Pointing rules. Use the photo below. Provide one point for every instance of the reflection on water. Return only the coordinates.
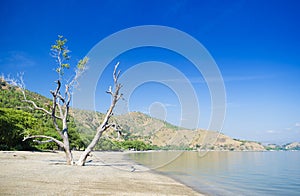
(156, 160)
(227, 173)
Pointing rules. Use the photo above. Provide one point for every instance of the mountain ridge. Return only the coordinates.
(139, 126)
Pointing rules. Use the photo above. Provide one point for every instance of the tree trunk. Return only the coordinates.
(91, 146)
(69, 156)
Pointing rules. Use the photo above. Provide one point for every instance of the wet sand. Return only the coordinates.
(106, 173)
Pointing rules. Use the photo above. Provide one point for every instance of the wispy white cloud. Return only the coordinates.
(17, 59)
(295, 126)
(270, 131)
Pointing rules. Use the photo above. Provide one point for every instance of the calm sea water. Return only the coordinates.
(230, 173)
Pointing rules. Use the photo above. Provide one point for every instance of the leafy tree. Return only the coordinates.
(13, 125)
(107, 145)
(133, 145)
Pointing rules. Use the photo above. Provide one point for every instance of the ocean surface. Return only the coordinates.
(229, 173)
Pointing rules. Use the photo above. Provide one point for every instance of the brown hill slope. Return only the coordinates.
(160, 133)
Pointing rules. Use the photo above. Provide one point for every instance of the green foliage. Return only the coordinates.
(81, 63)
(275, 148)
(14, 124)
(173, 147)
(170, 126)
(61, 53)
(12, 98)
(137, 145)
(37, 123)
(107, 145)
(76, 141)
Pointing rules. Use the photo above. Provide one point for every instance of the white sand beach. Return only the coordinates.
(107, 173)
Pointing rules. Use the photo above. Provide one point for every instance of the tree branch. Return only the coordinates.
(47, 137)
(80, 69)
(20, 84)
(60, 111)
(61, 97)
(68, 95)
(115, 74)
(42, 142)
(54, 94)
(38, 108)
(109, 91)
(105, 122)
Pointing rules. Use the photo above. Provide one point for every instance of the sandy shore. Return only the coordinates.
(107, 173)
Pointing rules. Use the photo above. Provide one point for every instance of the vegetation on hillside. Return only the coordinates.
(139, 131)
(13, 125)
(17, 120)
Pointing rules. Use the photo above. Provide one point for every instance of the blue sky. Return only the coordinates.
(254, 43)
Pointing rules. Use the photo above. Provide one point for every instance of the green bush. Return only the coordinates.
(13, 126)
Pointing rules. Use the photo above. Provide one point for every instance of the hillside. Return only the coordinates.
(139, 126)
(18, 119)
(160, 133)
(288, 146)
(134, 126)
(292, 146)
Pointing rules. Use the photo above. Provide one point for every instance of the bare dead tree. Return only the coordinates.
(60, 101)
(59, 110)
(105, 125)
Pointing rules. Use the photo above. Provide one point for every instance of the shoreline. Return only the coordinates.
(160, 172)
(106, 173)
